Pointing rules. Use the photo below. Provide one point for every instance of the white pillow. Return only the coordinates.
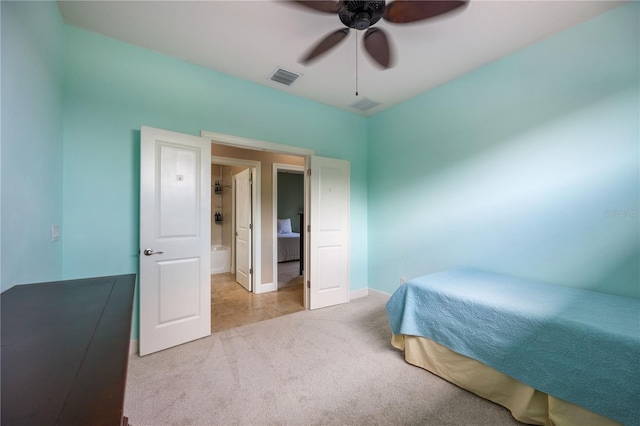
(284, 226)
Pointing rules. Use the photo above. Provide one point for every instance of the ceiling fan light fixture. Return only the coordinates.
(361, 14)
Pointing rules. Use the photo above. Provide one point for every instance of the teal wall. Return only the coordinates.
(528, 166)
(31, 164)
(112, 88)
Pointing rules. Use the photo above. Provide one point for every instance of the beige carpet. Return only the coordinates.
(332, 366)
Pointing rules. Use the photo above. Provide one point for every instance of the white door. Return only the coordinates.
(242, 185)
(175, 212)
(329, 236)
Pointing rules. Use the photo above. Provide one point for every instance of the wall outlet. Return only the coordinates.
(55, 232)
(403, 280)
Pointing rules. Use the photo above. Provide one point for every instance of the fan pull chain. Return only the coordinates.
(356, 63)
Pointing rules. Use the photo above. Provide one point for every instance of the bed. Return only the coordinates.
(288, 247)
(288, 242)
(551, 354)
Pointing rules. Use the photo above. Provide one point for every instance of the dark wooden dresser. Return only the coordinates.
(65, 349)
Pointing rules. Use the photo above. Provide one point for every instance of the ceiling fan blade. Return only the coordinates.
(325, 44)
(406, 11)
(376, 44)
(321, 6)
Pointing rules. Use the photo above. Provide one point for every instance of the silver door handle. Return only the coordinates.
(150, 252)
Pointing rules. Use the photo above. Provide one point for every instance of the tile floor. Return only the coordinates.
(233, 306)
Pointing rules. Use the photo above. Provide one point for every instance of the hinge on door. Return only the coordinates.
(308, 228)
(308, 172)
(251, 226)
(250, 271)
(308, 284)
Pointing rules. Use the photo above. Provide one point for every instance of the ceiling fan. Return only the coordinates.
(362, 15)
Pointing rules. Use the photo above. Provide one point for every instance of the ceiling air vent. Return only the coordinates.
(284, 77)
(364, 104)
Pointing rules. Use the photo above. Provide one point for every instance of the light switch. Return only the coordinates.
(55, 232)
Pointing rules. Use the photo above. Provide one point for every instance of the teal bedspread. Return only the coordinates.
(577, 345)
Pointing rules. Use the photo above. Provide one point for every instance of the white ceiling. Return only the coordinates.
(251, 39)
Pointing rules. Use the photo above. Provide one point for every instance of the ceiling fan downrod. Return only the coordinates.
(356, 64)
(362, 21)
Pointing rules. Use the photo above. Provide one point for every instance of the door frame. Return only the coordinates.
(260, 145)
(256, 252)
(274, 203)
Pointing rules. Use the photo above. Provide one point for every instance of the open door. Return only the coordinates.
(175, 212)
(329, 236)
(243, 228)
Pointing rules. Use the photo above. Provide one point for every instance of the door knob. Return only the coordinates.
(150, 252)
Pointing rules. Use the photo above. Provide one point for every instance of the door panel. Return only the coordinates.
(178, 295)
(329, 237)
(243, 228)
(178, 191)
(175, 286)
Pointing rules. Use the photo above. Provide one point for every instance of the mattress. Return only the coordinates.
(579, 346)
(288, 247)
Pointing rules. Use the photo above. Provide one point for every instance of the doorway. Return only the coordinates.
(182, 299)
(289, 213)
(227, 255)
(327, 198)
(231, 304)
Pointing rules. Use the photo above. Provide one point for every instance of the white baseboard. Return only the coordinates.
(363, 292)
(382, 293)
(266, 287)
(133, 347)
(355, 294)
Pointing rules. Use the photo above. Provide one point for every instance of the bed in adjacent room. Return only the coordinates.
(551, 354)
(288, 242)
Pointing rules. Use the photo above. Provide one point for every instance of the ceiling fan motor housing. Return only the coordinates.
(361, 14)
